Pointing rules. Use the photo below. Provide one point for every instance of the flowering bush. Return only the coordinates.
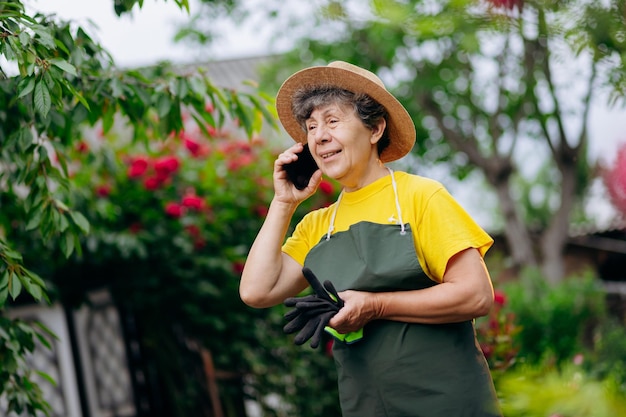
(496, 334)
(171, 224)
(615, 180)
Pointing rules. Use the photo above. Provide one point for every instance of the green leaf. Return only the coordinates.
(44, 36)
(64, 65)
(63, 224)
(4, 280)
(15, 286)
(163, 104)
(67, 244)
(42, 99)
(35, 291)
(4, 294)
(12, 255)
(76, 94)
(45, 375)
(61, 205)
(80, 221)
(25, 86)
(45, 329)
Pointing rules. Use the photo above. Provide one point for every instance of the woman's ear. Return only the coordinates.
(378, 130)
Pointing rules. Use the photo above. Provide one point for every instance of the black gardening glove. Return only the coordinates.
(313, 312)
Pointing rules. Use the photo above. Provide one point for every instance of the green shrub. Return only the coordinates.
(537, 391)
(554, 319)
(608, 358)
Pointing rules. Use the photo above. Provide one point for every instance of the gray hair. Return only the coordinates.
(371, 112)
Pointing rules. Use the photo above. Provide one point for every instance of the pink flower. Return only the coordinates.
(193, 202)
(174, 210)
(192, 146)
(578, 359)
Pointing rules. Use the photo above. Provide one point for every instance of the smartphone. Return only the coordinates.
(300, 171)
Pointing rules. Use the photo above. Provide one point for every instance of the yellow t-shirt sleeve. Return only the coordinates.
(306, 234)
(444, 230)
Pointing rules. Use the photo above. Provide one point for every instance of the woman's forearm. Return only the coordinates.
(264, 265)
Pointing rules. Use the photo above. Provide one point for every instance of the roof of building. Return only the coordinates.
(234, 73)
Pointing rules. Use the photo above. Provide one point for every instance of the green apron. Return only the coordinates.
(400, 369)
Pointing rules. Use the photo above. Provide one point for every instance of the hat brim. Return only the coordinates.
(399, 123)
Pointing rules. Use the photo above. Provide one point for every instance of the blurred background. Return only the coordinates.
(136, 150)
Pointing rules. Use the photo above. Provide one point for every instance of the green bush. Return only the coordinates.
(538, 391)
(171, 223)
(556, 319)
(608, 358)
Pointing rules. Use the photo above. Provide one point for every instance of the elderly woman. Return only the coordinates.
(406, 258)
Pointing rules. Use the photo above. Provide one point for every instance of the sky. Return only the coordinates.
(146, 37)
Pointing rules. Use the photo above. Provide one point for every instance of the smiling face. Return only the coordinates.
(344, 148)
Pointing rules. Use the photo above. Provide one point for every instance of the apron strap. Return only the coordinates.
(395, 193)
(331, 227)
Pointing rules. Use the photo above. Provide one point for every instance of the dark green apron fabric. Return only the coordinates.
(400, 369)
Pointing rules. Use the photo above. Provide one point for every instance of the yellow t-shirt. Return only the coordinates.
(441, 227)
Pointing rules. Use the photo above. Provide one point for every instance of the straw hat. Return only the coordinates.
(355, 79)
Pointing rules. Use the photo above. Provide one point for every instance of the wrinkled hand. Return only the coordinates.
(284, 190)
(360, 308)
(313, 312)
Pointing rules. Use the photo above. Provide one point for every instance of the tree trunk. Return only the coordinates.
(517, 236)
(554, 238)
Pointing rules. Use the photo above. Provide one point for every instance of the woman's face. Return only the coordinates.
(343, 147)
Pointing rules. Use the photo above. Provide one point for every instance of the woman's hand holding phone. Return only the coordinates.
(300, 171)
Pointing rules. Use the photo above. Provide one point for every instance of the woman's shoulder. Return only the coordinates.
(418, 182)
(318, 215)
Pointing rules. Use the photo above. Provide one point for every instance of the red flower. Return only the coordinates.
(328, 349)
(82, 147)
(193, 230)
(261, 211)
(152, 183)
(326, 187)
(174, 210)
(103, 190)
(135, 228)
(192, 146)
(487, 350)
(499, 298)
(238, 267)
(193, 202)
(166, 165)
(615, 180)
(138, 167)
(508, 4)
(240, 162)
